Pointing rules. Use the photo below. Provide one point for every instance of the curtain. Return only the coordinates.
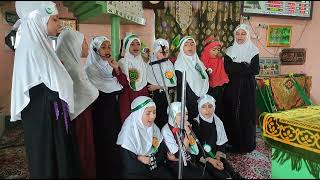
(199, 19)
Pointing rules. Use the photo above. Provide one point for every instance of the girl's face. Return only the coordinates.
(215, 51)
(178, 117)
(241, 36)
(105, 50)
(189, 47)
(85, 48)
(207, 110)
(134, 48)
(160, 54)
(53, 25)
(149, 115)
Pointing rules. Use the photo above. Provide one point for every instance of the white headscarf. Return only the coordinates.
(134, 136)
(69, 49)
(188, 63)
(99, 71)
(221, 134)
(154, 72)
(130, 61)
(36, 62)
(23, 8)
(166, 132)
(242, 52)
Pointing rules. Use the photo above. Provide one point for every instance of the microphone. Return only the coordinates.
(158, 61)
(96, 50)
(208, 149)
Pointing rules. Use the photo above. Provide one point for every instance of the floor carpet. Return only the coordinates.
(254, 165)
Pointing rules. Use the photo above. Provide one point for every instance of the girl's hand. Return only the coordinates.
(144, 159)
(153, 87)
(216, 163)
(172, 157)
(114, 64)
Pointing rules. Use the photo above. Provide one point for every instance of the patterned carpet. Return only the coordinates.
(12, 154)
(254, 165)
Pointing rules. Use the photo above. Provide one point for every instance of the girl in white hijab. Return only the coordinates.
(71, 46)
(105, 74)
(188, 141)
(241, 63)
(155, 80)
(196, 76)
(141, 141)
(210, 131)
(42, 94)
(135, 69)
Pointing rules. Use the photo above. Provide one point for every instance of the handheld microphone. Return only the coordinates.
(106, 56)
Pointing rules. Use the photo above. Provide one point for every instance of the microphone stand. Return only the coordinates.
(183, 102)
(178, 134)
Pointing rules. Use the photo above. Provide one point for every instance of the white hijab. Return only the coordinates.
(154, 72)
(130, 61)
(23, 8)
(134, 136)
(188, 63)
(36, 62)
(99, 71)
(242, 52)
(69, 49)
(221, 134)
(167, 133)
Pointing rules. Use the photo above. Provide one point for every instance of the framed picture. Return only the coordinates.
(269, 66)
(279, 36)
(69, 23)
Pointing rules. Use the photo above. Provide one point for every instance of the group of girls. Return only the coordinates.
(79, 118)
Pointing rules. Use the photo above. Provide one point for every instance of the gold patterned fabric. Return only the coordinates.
(299, 128)
(284, 93)
(199, 19)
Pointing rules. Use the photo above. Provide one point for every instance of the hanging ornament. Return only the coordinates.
(184, 14)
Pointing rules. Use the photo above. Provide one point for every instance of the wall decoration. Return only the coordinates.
(269, 66)
(293, 56)
(68, 23)
(279, 35)
(11, 18)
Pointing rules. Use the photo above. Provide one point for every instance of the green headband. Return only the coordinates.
(127, 40)
(184, 38)
(141, 105)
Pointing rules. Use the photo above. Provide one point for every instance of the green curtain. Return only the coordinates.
(211, 18)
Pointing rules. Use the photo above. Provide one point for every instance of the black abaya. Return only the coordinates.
(240, 104)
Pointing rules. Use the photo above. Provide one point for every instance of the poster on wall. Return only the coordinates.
(279, 36)
(269, 66)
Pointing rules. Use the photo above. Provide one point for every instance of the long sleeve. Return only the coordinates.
(233, 68)
(122, 78)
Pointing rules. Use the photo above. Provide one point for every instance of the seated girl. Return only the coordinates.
(142, 149)
(189, 147)
(210, 131)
